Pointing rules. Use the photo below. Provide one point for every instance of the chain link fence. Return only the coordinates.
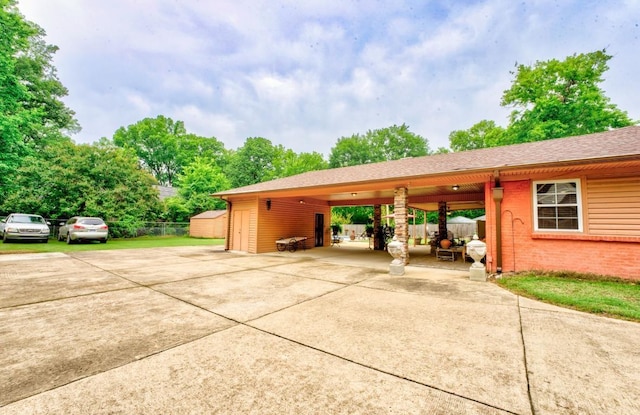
(126, 229)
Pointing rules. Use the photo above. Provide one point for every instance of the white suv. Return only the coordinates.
(80, 228)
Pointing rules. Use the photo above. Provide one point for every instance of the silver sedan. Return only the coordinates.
(24, 226)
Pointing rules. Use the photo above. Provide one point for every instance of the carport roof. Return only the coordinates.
(592, 148)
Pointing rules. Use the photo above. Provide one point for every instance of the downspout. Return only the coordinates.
(498, 194)
(226, 240)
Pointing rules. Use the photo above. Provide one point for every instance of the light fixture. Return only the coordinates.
(455, 187)
(301, 202)
(268, 204)
(353, 194)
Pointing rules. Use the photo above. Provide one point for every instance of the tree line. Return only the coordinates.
(43, 171)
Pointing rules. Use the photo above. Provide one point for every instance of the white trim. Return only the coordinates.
(534, 196)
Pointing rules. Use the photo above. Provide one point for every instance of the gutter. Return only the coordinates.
(227, 239)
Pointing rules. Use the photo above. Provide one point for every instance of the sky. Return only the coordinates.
(305, 73)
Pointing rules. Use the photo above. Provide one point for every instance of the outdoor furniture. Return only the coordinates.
(291, 244)
(335, 239)
(449, 254)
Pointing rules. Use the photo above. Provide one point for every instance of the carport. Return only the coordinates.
(301, 205)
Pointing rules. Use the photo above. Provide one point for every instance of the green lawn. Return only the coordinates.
(593, 294)
(131, 243)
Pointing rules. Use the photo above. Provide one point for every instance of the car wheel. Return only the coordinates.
(69, 241)
(103, 241)
(46, 241)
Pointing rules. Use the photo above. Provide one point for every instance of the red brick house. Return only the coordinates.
(563, 204)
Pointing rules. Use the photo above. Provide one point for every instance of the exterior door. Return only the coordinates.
(241, 231)
(319, 229)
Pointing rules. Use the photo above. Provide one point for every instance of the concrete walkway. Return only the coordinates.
(199, 330)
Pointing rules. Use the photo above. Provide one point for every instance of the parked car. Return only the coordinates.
(24, 226)
(80, 228)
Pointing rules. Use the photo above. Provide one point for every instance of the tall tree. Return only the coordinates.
(196, 183)
(192, 147)
(89, 180)
(31, 111)
(252, 163)
(391, 143)
(351, 151)
(155, 141)
(483, 134)
(287, 162)
(561, 98)
(165, 148)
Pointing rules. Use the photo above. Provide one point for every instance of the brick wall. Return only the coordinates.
(522, 249)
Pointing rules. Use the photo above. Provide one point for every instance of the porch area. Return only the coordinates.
(359, 253)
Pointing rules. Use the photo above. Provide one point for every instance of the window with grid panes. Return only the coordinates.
(557, 205)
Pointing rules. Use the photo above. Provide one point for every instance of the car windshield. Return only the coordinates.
(91, 221)
(26, 219)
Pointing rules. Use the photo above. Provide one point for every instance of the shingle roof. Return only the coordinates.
(166, 191)
(623, 142)
(209, 214)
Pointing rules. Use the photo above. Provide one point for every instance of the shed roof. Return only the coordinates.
(209, 214)
(592, 148)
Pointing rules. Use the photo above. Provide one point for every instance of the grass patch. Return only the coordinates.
(22, 247)
(611, 297)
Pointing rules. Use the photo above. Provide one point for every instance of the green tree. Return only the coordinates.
(252, 163)
(192, 147)
(483, 134)
(561, 98)
(391, 143)
(88, 180)
(351, 151)
(287, 162)
(36, 71)
(195, 185)
(356, 214)
(165, 148)
(31, 111)
(155, 141)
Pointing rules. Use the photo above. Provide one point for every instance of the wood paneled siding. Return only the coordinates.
(208, 227)
(288, 217)
(250, 206)
(613, 206)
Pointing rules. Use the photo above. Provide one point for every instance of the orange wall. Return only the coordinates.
(286, 218)
(522, 249)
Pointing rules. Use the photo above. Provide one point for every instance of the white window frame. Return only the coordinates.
(534, 190)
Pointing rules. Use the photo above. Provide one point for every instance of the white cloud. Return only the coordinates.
(319, 69)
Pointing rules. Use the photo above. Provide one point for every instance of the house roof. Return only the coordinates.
(605, 146)
(166, 191)
(209, 214)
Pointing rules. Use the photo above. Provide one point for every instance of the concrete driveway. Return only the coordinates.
(199, 330)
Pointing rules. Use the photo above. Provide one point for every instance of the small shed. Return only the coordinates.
(209, 224)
